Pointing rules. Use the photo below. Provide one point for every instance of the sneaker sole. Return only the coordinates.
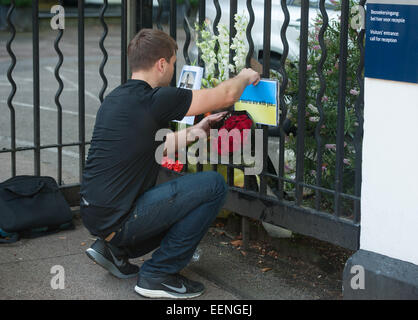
(165, 294)
(106, 264)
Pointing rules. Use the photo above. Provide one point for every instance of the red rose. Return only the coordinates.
(229, 125)
(178, 166)
(240, 126)
(222, 145)
(239, 122)
(240, 117)
(245, 136)
(247, 124)
(171, 164)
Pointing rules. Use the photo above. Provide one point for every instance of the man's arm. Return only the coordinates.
(207, 100)
(224, 95)
(179, 139)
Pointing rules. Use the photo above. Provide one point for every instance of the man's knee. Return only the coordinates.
(218, 182)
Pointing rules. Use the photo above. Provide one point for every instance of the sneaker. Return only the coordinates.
(101, 253)
(173, 286)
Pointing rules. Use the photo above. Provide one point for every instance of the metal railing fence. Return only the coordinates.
(296, 214)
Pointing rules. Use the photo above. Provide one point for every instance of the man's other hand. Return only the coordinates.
(209, 121)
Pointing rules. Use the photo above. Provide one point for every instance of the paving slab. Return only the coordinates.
(25, 271)
(227, 272)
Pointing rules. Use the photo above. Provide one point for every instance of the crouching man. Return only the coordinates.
(120, 203)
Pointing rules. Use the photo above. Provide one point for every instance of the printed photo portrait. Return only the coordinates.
(188, 79)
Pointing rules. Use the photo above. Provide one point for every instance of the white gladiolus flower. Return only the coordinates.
(239, 42)
(207, 43)
(223, 52)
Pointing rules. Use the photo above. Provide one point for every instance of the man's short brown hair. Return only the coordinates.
(148, 46)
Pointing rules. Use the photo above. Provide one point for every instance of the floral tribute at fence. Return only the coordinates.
(242, 124)
(321, 111)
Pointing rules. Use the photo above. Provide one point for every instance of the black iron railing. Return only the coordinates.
(334, 227)
(258, 204)
(57, 100)
(13, 90)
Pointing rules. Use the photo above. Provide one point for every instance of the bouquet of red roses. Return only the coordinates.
(239, 120)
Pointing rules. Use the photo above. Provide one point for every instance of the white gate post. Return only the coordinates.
(389, 201)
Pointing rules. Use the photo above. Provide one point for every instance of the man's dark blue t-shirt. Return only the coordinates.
(121, 163)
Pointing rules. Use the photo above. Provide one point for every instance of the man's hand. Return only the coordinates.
(179, 139)
(208, 121)
(252, 76)
(224, 95)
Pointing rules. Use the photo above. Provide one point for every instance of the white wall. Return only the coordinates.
(389, 209)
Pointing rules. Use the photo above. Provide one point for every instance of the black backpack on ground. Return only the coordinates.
(32, 206)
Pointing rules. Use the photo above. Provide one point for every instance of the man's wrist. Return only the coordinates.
(193, 133)
(245, 78)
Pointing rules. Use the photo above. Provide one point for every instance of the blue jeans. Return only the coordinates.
(173, 217)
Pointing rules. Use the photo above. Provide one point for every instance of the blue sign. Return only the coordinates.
(264, 92)
(392, 40)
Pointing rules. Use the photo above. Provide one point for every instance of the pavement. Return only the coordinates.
(28, 270)
(26, 266)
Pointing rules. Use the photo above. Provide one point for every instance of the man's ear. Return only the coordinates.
(161, 65)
